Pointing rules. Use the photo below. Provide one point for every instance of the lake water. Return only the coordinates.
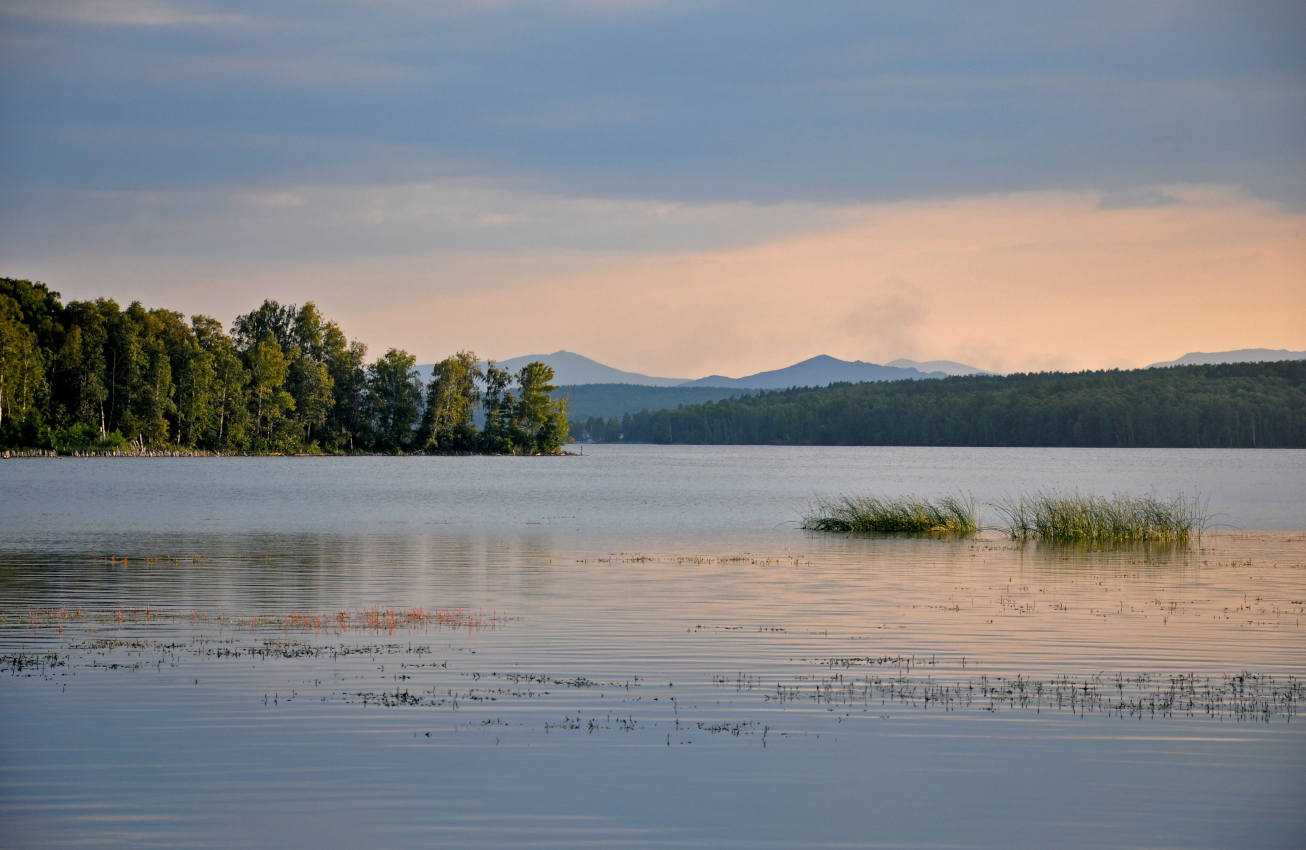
(639, 647)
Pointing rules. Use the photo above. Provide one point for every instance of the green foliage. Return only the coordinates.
(1094, 519)
(903, 515)
(80, 376)
(1236, 405)
(539, 422)
(250, 329)
(22, 372)
(394, 398)
(592, 408)
(448, 423)
(269, 402)
(1045, 517)
(346, 421)
(84, 437)
(527, 422)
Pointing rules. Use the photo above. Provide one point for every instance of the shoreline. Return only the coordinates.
(22, 454)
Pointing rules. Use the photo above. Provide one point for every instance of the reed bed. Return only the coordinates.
(1057, 518)
(901, 515)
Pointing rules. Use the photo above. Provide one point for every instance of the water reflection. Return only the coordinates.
(496, 688)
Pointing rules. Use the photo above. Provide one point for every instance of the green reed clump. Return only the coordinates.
(905, 514)
(1058, 518)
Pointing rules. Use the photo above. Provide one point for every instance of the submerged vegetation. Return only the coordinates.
(1046, 517)
(1057, 518)
(911, 515)
(89, 376)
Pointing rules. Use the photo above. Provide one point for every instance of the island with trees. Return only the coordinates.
(89, 376)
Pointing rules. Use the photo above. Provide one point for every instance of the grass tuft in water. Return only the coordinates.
(1056, 518)
(905, 514)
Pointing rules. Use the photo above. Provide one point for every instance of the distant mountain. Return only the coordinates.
(816, 372)
(570, 368)
(947, 367)
(1242, 355)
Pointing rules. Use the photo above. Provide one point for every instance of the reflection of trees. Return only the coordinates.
(274, 572)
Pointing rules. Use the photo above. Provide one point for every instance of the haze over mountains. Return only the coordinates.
(571, 369)
(816, 372)
(948, 367)
(1242, 355)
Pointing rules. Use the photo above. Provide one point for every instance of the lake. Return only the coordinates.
(639, 647)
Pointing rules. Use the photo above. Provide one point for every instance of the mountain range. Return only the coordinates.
(816, 372)
(1242, 355)
(947, 367)
(571, 369)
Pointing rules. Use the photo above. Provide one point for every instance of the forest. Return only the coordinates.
(1238, 405)
(612, 401)
(89, 376)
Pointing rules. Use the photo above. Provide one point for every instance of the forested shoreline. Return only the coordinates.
(1236, 405)
(88, 376)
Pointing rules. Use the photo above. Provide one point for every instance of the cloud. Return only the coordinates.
(273, 200)
(1147, 197)
(707, 185)
(713, 101)
(121, 13)
(291, 223)
(1025, 281)
(1032, 281)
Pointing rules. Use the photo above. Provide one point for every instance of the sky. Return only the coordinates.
(675, 187)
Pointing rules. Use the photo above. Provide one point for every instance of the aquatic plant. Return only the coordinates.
(904, 514)
(1059, 518)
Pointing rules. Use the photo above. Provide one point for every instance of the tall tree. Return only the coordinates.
(347, 420)
(79, 369)
(192, 377)
(22, 368)
(124, 362)
(310, 385)
(498, 401)
(448, 422)
(225, 425)
(306, 331)
(153, 402)
(540, 421)
(269, 402)
(395, 394)
(250, 329)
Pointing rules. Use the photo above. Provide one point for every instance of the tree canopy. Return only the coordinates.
(1236, 405)
(90, 375)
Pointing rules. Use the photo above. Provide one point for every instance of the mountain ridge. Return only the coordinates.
(948, 367)
(1237, 355)
(572, 369)
(816, 371)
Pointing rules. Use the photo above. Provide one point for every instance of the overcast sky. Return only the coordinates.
(678, 188)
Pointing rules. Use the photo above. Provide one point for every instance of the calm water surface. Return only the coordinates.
(639, 647)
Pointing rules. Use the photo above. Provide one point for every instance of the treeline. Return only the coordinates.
(1237, 405)
(611, 401)
(88, 375)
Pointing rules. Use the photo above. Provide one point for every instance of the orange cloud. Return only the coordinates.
(1011, 282)
(1020, 282)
